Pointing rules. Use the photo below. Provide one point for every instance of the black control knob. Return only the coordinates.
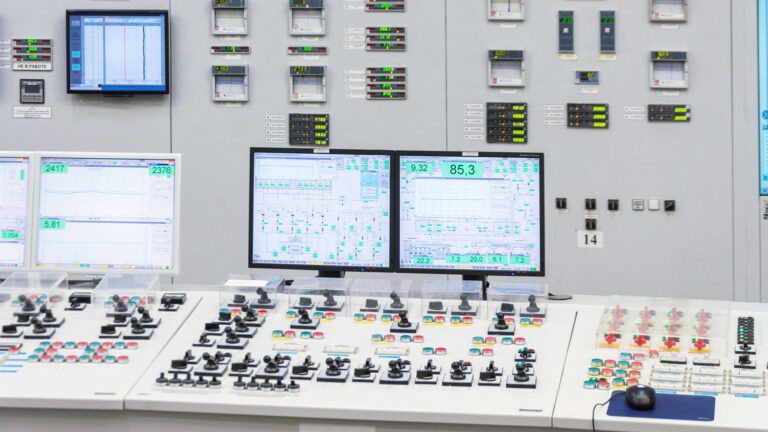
(231, 336)
(145, 318)
(457, 370)
(501, 323)
(396, 303)
(304, 317)
(240, 325)
(532, 306)
(136, 326)
(119, 304)
(404, 322)
(263, 296)
(329, 300)
(250, 315)
(521, 375)
(333, 368)
(464, 305)
(37, 326)
(49, 316)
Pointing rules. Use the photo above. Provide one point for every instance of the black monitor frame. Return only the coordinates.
(125, 12)
(471, 273)
(323, 269)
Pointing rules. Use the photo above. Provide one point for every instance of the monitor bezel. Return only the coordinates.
(324, 151)
(30, 201)
(125, 12)
(473, 154)
(96, 155)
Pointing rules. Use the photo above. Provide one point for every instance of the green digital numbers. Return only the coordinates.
(52, 224)
(10, 235)
(422, 261)
(476, 259)
(498, 259)
(455, 259)
(520, 260)
(162, 170)
(418, 168)
(463, 169)
(55, 168)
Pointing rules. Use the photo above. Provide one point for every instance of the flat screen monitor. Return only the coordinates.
(762, 44)
(471, 213)
(110, 51)
(15, 208)
(325, 210)
(107, 212)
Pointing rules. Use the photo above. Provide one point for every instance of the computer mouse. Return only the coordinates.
(641, 397)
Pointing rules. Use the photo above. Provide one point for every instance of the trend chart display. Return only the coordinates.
(14, 186)
(321, 210)
(106, 214)
(117, 52)
(470, 214)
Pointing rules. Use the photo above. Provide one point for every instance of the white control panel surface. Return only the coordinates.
(60, 361)
(350, 344)
(686, 366)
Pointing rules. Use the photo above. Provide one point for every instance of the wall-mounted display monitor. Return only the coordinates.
(111, 51)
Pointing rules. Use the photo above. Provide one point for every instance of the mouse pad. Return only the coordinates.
(668, 407)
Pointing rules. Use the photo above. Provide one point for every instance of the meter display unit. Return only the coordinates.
(32, 91)
(385, 5)
(588, 116)
(230, 83)
(231, 50)
(668, 10)
(506, 123)
(506, 68)
(669, 69)
(307, 17)
(587, 77)
(307, 50)
(565, 32)
(309, 129)
(669, 113)
(607, 32)
(32, 54)
(229, 17)
(506, 10)
(308, 84)
(385, 39)
(386, 83)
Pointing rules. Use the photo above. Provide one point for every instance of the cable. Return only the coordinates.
(603, 404)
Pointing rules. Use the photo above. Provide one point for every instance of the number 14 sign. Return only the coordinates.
(589, 239)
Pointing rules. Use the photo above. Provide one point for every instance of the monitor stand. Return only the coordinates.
(482, 278)
(331, 274)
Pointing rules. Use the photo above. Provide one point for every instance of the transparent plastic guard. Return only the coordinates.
(323, 297)
(132, 289)
(458, 299)
(25, 281)
(258, 291)
(43, 288)
(385, 298)
(668, 326)
(529, 301)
